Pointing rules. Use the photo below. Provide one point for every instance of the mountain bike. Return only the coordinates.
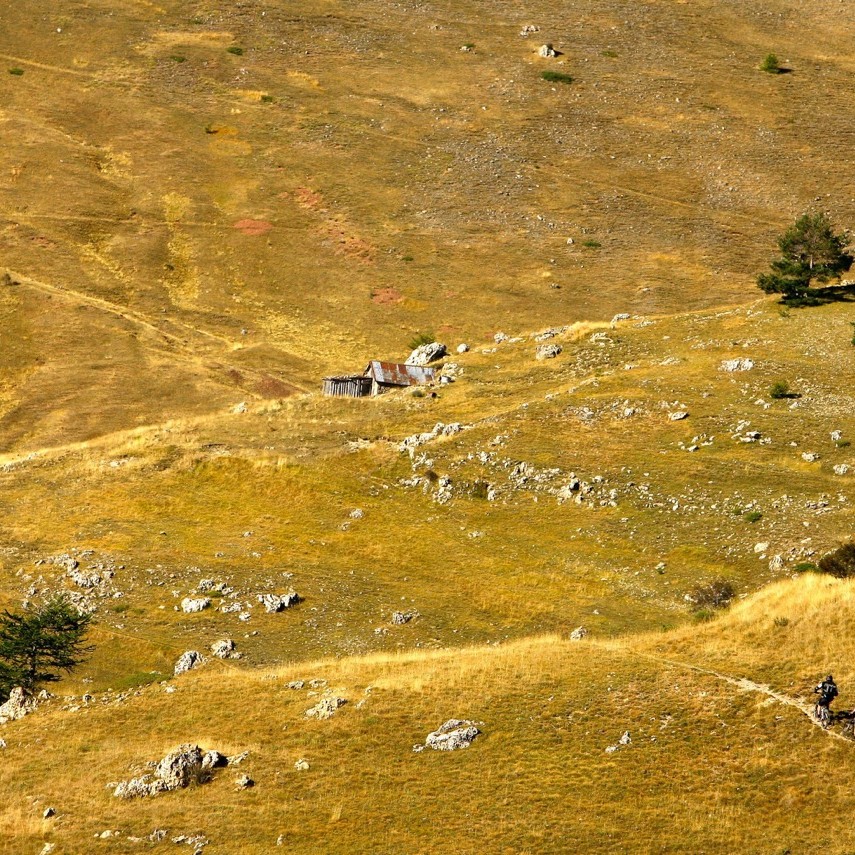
(822, 714)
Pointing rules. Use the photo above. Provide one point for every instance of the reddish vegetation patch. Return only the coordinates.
(270, 387)
(253, 227)
(386, 297)
(346, 244)
(308, 198)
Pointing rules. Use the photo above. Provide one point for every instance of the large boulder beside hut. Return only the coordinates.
(427, 353)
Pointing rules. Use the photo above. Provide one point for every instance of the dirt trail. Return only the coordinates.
(744, 685)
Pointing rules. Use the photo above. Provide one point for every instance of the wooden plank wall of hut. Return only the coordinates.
(347, 387)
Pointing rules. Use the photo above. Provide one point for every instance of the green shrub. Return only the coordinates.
(266, 99)
(178, 58)
(591, 244)
(407, 258)
(421, 338)
(806, 567)
(16, 71)
(418, 393)
(843, 443)
(609, 53)
(713, 595)
(237, 51)
(752, 516)
(703, 615)
(770, 64)
(556, 77)
(782, 621)
(840, 563)
(779, 389)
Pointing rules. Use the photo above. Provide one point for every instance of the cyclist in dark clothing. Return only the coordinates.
(827, 691)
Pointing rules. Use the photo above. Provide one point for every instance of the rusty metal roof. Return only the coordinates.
(399, 374)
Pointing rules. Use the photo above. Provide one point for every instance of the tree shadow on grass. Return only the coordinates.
(822, 296)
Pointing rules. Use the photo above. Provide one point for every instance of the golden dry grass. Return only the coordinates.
(245, 223)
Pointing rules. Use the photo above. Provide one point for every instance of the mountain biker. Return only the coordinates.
(827, 691)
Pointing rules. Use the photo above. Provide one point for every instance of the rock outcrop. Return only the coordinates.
(187, 765)
(225, 649)
(20, 703)
(278, 602)
(188, 660)
(427, 353)
(325, 708)
(547, 351)
(454, 734)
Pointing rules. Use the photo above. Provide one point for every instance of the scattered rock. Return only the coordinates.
(621, 316)
(158, 835)
(579, 633)
(547, 351)
(427, 353)
(302, 765)
(762, 547)
(188, 660)
(3, 745)
(454, 734)
(546, 51)
(400, 618)
(47, 848)
(49, 812)
(624, 741)
(20, 703)
(325, 708)
(244, 782)
(678, 416)
(278, 602)
(777, 563)
(528, 29)
(810, 456)
(357, 514)
(841, 469)
(736, 365)
(225, 649)
(214, 760)
(296, 684)
(237, 409)
(197, 604)
(462, 348)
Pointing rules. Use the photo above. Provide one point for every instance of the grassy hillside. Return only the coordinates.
(231, 202)
(705, 759)
(208, 207)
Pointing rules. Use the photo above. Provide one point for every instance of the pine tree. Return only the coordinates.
(810, 251)
(35, 645)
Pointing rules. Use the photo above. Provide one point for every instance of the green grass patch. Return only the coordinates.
(237, 51)
(135, 681)
(556, 77)
(16, 71)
